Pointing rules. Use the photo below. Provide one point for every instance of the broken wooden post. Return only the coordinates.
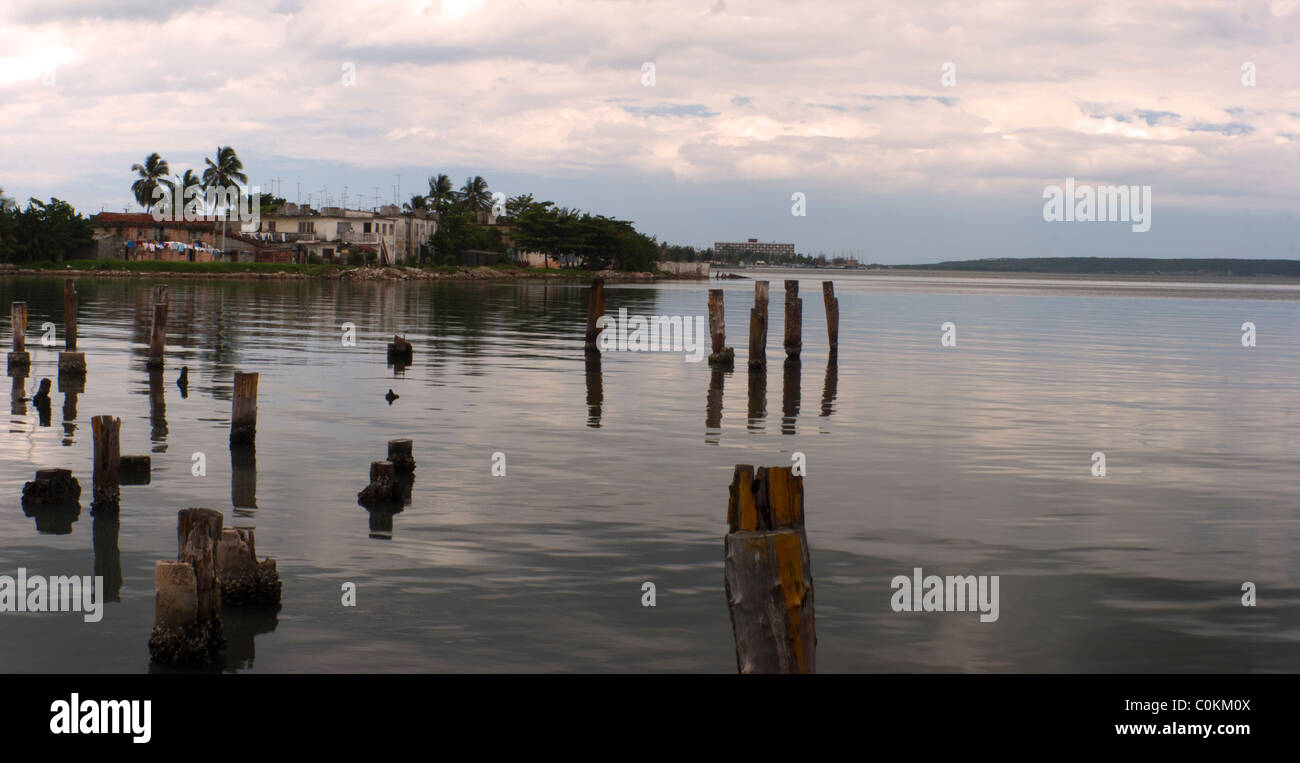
(243, 416)
(105, 493)
(595, 309)
(245, 579)
(793, 319)
(399, 455)
(768, 572)
(52, 487)
(19, 358)
(70, 361)
(384, 489)
(187, 594)
(135, 470)
(722, 355)
(158, 331)
(832, 314)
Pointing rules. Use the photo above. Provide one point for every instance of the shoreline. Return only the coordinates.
(387, 273)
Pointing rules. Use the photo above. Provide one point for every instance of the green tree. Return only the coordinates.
(441, 191)
(476, 197)
(458, 232)
(150, 175)
(43, 231)
(226, 171)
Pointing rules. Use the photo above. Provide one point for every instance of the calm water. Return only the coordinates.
(974, 459)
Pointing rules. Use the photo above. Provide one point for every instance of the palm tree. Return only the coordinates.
(6, 203)
(441, 190)
(152, 174)
(189, 180)
(223, 173)
(476, 196)
(416, 203)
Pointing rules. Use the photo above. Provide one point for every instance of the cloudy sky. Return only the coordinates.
(750, 103)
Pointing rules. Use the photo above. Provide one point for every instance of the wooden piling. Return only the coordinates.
(52, 487)
(768, 573)
(595, 309)
(758, 328)
(105, 490)
(400, 349)
(400, 456)
(385, 489)
(721, 355)
(187, 594)
(70, 361)
(19, 358)
(244, 578)
(793, 319)
(157, 336)
(832, 314)
(243, 415)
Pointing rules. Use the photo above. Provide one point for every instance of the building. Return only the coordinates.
(751, 249)
(393, 237)
(138, 236)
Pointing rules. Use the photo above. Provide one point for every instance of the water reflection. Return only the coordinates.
(382, 512)
(18, 393)
(243, 479)
(53, 519)
(832, 381)
(790, 394)
(157, 411)
(239, 626)
(757, 399)
(70, 385)
(42, 402)
(595, 390)
(713, 408)
(104, 527)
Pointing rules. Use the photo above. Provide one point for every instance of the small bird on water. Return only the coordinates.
(391, 396)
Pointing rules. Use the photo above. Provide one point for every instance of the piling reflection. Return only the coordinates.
(53, 519)
(157, 411)
(757, 399)
(790, 394)
(243, 479)
(239, 626)
(104, 528)
(42, 402)
(70, 385)
(595, 390)
(382, 512)
(713, 408)
(18, 392)
(831, 383)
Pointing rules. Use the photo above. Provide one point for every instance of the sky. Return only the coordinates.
(903, 131)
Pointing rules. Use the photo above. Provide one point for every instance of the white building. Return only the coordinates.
(393, 237)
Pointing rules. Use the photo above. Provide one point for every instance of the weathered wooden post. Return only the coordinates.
(70, 361)
(758, 328)
(187, 594)
(595, 309)
(400, 351)
(244, 578)
(384, 489)
(19, 358)
(158, 331)
(243, 416)
(51, 487)
(722, 355)
(793, 319)
(768, 572)
(832, 314)
(400, 456)
(105, 491)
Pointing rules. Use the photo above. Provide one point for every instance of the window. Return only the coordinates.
(365, 227)
(307, 227)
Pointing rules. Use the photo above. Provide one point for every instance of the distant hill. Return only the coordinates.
(1120, 266)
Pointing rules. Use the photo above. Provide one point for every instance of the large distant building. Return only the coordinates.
(753, 248)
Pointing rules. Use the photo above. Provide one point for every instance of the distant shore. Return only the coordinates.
(271, 271)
